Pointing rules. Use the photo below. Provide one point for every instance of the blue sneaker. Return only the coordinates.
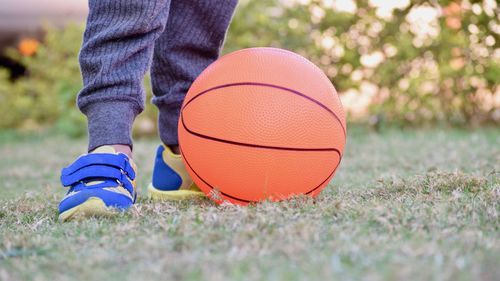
(100, 183)
(171, 180)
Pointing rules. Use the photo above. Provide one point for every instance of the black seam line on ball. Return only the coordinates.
(256, 145)
(250, 201)
(209, 185)
(270, 86)
(331, 174)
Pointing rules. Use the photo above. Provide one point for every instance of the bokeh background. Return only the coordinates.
(394, 62)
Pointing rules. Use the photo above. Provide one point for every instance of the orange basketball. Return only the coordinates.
(261, 123)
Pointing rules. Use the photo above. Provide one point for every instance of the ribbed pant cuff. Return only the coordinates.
(110, 123)
(168, 120)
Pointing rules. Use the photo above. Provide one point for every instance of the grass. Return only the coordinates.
(404, 205)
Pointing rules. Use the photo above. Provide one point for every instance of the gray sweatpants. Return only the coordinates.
(175, 39)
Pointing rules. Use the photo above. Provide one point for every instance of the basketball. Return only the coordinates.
(261, 124)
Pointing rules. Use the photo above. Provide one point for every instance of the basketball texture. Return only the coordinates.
(261, 123)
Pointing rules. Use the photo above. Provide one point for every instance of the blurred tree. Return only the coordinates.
(410, 61)
(47, 93)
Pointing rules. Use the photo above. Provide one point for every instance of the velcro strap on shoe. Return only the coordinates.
(118, 161)
(97, 173)
(102, 183)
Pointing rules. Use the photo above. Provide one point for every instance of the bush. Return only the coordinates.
(47, 94)
(415, 63)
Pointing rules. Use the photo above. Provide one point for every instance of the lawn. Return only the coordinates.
(404, 204)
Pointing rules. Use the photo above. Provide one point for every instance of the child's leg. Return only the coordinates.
(117, 49)
(116, 52)
(192, 40)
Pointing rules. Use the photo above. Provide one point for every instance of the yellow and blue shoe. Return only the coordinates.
(171, 180)
(100, 184)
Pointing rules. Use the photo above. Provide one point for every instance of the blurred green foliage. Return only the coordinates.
(46, 95)
(412, 62)
(407, 62)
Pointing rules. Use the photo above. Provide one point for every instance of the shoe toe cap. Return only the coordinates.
(111, 199)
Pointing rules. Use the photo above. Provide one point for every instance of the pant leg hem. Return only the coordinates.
(168, 120)
(110, 123)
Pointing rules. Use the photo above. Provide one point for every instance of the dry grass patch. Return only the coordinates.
(388, 216)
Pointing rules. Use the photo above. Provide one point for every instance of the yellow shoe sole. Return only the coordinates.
(93, 207)
(174, 195)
